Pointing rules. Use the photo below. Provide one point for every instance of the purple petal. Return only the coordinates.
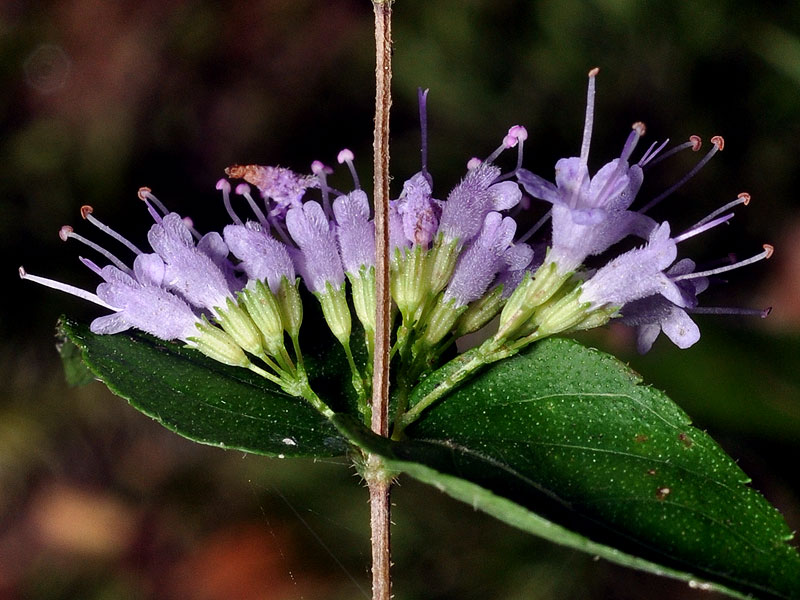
(354, 232)
(262, 257)
(321, 264)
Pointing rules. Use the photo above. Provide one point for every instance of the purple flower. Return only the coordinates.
(636, 274)
(418, 210)
(318, 260)
(354, 231)
(262, 257)
(655, 314)
(142, 303)
(481, 261)
(189, 272)
(472, 199)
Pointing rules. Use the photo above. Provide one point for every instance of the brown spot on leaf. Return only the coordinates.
(685, 439)
(640, 438)
(662, 493)
(651, 471)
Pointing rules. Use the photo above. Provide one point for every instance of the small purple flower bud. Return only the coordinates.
(318, 260)
(419, 211)
(354, 231)
(262, 257)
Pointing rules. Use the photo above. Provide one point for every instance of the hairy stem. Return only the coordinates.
(377, 480)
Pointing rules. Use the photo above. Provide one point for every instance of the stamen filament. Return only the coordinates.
(86, 213)
(225, 187)
(66, 233)
(422, 99)
(768, 250)
(538, 225)
(64, 287)
(321, 171)
(718, 144)
(695, 142)
(724, 310)
(244, 190)
(346, 156)
(588, 123)
(743, 198)
(146, 194)
(698, 229)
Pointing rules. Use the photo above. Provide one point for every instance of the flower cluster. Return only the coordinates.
(458, 264)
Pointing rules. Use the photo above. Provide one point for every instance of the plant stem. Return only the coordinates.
(377, 479)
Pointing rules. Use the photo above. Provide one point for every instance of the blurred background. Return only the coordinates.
(101, 97)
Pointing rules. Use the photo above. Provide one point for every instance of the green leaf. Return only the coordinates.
(204, 400)
(75, 370)
(564, 434)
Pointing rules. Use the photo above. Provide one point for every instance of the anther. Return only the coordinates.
(696, 141)
(768, 250)
(639, 128)
(474, 163)
(86, 213)
(346, 156)
(745, 197)
(65, 232)
(718, 141)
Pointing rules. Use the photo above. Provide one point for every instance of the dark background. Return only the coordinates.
(101, 97)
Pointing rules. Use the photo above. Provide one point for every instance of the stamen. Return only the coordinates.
(91, 265)
(64, 287)
(650, 153)
(768, 250)
(322, 172)
(86, 213)
(189, 222)
(700, 228)
(718, 144)
(638, 132)
(277, 226)
(520, 134)
(146, 194)
(695, 142)
(147, 197)
(422, 99)
(588, 123)
(743, 198)
(723, 310)
(225, 187)
(346, 156)
(536, 227)
(66, 233)
(244, 190)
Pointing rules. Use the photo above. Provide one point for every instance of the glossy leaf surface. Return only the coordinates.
(570, 434)
(203, 400)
